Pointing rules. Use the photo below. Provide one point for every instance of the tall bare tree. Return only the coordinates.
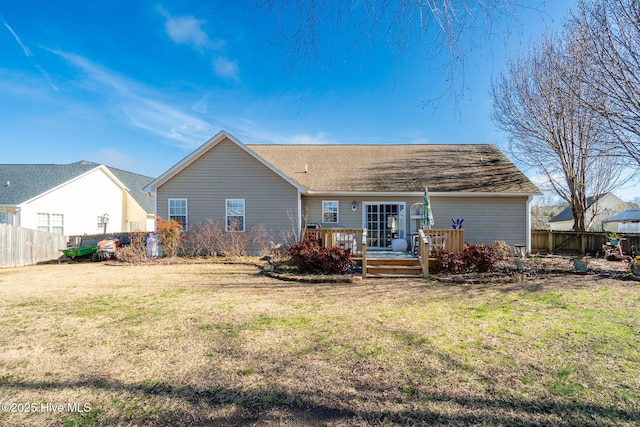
(541, 102)
(447, 30)
(612, 30)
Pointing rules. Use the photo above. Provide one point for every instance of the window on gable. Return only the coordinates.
(178, 211)
(330, 211)
(235, 214)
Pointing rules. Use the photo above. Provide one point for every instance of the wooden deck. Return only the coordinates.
(376, 263)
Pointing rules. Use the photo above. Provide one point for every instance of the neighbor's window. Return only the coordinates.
(235, 214)
(178, 211)
(329, 211)
(43, 221)
(57, 223)
(3, 217)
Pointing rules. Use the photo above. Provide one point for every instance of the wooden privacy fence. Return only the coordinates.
(22, 246)
(576, 242)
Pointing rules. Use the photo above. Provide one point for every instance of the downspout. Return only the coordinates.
(155, 210)
(299, 215)
(528, 224)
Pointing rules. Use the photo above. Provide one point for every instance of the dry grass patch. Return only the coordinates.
(211, 344)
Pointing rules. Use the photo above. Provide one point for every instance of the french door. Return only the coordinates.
(384, 222)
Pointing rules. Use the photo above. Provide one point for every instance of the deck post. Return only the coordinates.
(364, 253)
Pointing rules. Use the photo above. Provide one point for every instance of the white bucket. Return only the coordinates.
(154, 250)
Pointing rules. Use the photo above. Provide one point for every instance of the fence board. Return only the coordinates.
(22, 246)
(575, 242)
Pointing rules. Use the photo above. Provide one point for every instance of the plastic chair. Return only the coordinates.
(437, 240)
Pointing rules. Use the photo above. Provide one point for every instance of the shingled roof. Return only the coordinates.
(22, 182)
(396, 167)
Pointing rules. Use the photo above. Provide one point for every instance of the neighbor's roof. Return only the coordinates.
(397, 167)
(28, 181)
(567, 215)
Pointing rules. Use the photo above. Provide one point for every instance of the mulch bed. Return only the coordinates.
(540, 267)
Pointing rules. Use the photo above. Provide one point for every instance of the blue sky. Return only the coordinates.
(138, 85)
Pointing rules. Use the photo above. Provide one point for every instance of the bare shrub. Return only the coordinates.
(209, 238)
(203, 239)
(260, 239)
(136, 251)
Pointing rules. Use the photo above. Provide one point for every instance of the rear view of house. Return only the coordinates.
(376, 187)
(74, 199)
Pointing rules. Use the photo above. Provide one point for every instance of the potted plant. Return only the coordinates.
(580, 264)
(614, 239)
(634, 266)
(521, 263)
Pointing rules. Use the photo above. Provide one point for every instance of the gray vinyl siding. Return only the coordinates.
(226, 171)
(486, 218)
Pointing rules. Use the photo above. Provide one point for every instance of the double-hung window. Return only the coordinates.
(330, 211)
(52, 223)
(178, 211)
(235, 214)
(43, 222)
(57, 223)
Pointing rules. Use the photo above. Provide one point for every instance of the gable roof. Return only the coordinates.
(204, 148)
(567, 215)
(473, 168)
(22, 182)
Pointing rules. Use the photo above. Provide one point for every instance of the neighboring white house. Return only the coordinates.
(598, 208)
(72, 199)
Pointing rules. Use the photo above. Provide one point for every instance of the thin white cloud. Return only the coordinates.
(141, 106)
(25, 49)
(27, 52)
(225, 68)
(318, 138)
(188, 30)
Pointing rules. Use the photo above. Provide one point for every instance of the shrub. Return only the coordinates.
(480, 258)
(170, 233)
(448, 261)
(209, 238)
(308, 257)
(202, 239)
(136, 250)
(335, 260)
(503, 249)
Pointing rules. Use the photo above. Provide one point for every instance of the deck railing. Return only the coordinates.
(452, 240)
(353, 239)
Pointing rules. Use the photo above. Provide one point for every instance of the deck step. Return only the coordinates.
(393, 267)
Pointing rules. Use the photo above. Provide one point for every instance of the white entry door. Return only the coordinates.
(384, 222)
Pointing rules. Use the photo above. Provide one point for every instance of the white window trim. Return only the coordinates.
(186, 210)
(337, 202)
(226, 216)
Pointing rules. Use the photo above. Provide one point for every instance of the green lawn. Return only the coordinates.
(211, 344)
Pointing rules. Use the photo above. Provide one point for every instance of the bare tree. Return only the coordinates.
(612, 30)
(541, 102)
(435, 29)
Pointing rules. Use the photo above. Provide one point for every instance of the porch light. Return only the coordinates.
(354, 205)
